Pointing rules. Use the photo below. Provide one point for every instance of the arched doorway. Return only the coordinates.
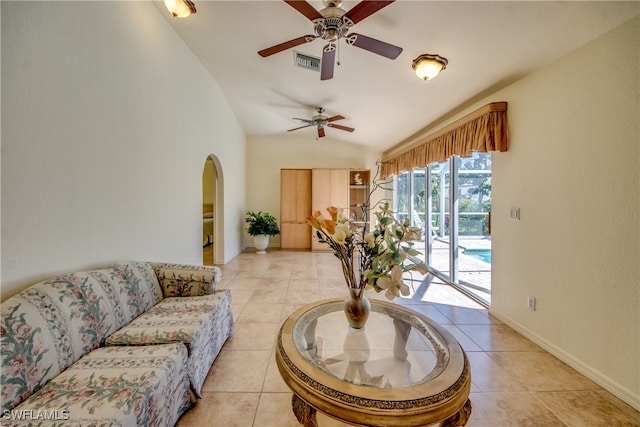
(212, 212)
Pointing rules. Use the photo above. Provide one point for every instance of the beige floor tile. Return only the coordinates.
(269, 294)
(222, 410)
(252, 336)
(273, 382)
(487, 375)
(259, 312)
(304, 274)
(465, 315)
(497, 338)
(238, 371)
(278, 277)
(241, 296)
(589, 408)
(465, 342)
(510, 410)
(274, 410)
(304, 284)
(303, 296)
(338, 291)
(539, 371)
(236, 309)
(245, 283)
(428, 310)
(288, 309)
(252, 275)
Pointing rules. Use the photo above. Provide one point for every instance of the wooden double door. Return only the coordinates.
(303, 191)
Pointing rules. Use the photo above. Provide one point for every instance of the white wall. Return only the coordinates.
(267, 155)
(107, 120)
(573, 168)
(574, 171)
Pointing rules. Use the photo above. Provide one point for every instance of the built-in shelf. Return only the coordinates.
(359, 186)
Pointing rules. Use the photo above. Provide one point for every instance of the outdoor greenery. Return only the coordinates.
(474, 197)
(261, 223)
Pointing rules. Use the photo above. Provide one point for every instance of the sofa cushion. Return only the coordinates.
(138, 287)
(183, 280)
(115, 386)
(202, 323)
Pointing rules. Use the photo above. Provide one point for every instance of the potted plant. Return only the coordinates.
(261, 226)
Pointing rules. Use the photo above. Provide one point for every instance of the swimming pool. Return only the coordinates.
(481, 254)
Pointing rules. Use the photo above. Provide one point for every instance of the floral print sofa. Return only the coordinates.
(121, 346)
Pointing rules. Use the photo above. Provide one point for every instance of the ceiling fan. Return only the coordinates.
(320, 121)
(333, 23)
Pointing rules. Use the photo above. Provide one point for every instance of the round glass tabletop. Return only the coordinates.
(396, 349)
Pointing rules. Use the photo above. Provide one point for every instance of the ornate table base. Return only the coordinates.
(306, 415)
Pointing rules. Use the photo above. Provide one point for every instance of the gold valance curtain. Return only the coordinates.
(483, 130)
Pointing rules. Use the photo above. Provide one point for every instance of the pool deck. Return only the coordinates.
(474, 274)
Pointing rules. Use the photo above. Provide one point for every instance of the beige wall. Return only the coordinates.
(573, 169)
(104, 141)
(267, 155)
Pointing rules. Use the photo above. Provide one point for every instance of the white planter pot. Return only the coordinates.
(261, 242)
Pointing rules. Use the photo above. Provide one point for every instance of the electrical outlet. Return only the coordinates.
(531, 303)
(514, 214)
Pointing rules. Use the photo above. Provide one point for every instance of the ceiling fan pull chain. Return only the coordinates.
(338, 48)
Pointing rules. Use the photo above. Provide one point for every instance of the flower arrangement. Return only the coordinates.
(375, 259)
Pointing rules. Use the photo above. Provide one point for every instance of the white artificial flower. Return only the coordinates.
(393, 283)
(339, 236)
(369, 240)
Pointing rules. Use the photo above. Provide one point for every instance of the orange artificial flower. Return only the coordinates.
(329, 225)
(333, 211)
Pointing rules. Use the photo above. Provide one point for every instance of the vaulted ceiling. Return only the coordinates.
(488, 44)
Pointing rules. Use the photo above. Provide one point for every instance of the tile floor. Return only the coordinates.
(514, 382)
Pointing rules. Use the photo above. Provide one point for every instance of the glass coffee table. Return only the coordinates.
(402, 369)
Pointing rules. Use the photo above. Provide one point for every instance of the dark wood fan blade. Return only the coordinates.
(348, 129)
(320, 132)
(365, 9)
(328, 60)
(334, 118)
(286, 45)
(372, 45)
(301, 127)
(304, 8)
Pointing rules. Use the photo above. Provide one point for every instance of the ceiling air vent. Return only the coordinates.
(305, 61)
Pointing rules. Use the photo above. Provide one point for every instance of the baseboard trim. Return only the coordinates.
(594, 375)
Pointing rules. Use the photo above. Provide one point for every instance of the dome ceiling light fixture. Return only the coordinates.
(180, 8)
(428, 66)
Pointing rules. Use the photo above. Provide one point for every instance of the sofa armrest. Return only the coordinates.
(182, 280)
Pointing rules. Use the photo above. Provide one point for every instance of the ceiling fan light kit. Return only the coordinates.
(428, 66)
(180, 8)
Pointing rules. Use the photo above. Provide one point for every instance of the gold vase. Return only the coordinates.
(357, 308)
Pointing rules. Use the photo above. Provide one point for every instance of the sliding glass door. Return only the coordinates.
(451, 202)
